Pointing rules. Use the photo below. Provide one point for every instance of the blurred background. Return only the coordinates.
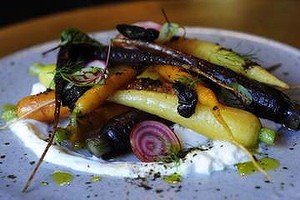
(14, 11)
(30, 22)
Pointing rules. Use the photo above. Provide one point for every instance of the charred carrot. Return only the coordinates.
(219, 55)
(205, 95)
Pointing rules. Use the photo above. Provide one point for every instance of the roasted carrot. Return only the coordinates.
(40, 107)
(205, 95)
(244, 125)
(171, 73)
(95, 97)
(219, 55)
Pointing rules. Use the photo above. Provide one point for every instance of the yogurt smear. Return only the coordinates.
(219, 155)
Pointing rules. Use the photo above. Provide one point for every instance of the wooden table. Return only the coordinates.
(278, 20)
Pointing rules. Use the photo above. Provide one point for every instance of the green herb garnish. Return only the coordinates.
(9, 112)
(62, 134)
(88, 76)
(167, 31)
(267, 135)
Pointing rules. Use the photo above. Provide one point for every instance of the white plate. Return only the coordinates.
(16, 160)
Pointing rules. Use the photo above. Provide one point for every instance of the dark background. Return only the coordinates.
(15, 11)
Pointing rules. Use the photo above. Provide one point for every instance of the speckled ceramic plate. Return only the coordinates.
(16, 161)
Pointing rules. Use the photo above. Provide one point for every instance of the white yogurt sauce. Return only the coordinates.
(219, 155)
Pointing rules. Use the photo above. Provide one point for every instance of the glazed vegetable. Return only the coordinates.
(96, 96)
(245, 126)
(205, 95)
(153, 141)
(89, 125)
(219, 55)
(172, 73)
(260, 99)
(40, 107)
(113, 138)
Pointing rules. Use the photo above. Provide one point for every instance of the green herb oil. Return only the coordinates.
(95, 178)
(62, 178)
(266, 164)
(173, 178)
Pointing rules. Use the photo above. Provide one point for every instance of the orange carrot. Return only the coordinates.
(40, 107)
(95, 97)
(171, 73)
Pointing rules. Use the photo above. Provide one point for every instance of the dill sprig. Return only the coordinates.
(172, 154)
(79, 74)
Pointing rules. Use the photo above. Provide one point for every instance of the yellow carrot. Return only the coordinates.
(245, 126)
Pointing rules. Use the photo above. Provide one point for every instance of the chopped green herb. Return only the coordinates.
(9, 112)
(171, 157)
(267, 135)
(61, 134)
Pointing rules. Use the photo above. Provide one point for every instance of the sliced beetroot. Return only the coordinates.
(152, 141)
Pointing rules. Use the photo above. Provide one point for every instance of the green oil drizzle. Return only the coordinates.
(267, 164)
(62, 178)
(95, 178)
(173, 178)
